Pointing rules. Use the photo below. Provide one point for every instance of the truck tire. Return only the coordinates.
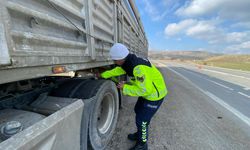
(101, 106)
(103, 119)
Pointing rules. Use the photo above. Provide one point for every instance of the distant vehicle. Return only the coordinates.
(42, 106)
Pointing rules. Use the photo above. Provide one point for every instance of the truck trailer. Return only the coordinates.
(49, 53)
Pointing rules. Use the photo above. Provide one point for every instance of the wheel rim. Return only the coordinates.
(105, 113)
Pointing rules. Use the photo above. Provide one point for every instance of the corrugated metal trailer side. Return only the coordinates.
(134, 37)
(36, 35)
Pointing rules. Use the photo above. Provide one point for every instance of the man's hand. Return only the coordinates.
(97, 75)
(120, 85)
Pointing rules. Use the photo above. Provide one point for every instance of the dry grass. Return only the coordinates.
(241, 62)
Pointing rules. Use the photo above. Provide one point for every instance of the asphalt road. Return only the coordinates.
(190, 117)
(234, 72)
(237, 77)
(234, 95)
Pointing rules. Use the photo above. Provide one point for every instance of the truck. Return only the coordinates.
(49, 53)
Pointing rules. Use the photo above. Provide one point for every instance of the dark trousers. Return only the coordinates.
(145, 110)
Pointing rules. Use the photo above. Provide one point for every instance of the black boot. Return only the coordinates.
(140, 146)
(133, 137)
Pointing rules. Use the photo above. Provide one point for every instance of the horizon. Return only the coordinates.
(213, 52)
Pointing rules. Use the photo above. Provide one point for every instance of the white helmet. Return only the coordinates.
(118, 51)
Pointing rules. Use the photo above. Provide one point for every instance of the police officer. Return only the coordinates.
(147, 83)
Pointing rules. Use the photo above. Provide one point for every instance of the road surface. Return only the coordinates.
(235, 96)
(190, 117)
(237, 77)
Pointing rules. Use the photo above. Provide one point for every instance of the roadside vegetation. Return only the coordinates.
(240, 62)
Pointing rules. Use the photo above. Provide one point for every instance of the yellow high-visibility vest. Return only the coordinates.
(148, 82)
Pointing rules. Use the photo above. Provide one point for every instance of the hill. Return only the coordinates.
(181, 55)
(241, 62)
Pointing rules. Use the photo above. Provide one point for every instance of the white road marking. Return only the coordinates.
(241, 71)
(244, 94)
(210, 80)
(220, 85)
(192, 73)
(226, 74)
(216, 99)
(230, 108)
(191, 67)
(246, 88)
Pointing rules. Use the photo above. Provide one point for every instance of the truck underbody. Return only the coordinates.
(29, 104)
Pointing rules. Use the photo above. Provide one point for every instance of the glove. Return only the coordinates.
(97, 75)
(120, 85)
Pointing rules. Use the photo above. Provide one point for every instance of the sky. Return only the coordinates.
(220, 26)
